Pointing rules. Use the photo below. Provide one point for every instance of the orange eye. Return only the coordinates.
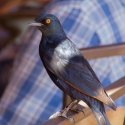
(48, 21)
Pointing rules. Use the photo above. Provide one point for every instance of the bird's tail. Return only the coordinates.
(99, 113)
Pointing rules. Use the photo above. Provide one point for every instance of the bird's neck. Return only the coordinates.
(54, 38)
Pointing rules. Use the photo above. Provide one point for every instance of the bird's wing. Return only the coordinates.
(81, 78)
(93, 73)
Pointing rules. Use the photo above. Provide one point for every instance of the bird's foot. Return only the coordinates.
(55, 115)
(78, 110)
(62, 114)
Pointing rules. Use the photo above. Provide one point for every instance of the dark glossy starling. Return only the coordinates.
(69, 70)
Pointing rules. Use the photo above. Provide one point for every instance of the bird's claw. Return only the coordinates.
(71, 119)
(55, 115)
(60, 113)
(78, 110)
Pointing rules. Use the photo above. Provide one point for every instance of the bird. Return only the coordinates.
(69, 70)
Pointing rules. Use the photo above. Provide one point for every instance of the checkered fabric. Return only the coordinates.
(31, 97)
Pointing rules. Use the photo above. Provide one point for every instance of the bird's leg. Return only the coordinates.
(74, 108)
(64, 111)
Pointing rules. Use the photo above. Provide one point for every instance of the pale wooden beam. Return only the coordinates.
(115, 118)
(115, 90)
(104, 51)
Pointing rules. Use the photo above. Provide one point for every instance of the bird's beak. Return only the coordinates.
(34, 23)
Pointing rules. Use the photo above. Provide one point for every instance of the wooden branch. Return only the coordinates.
(115, 90)
(104, 51)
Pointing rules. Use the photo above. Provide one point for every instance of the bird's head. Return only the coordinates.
(48, 24)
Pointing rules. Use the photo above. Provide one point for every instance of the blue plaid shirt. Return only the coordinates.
(31, 97)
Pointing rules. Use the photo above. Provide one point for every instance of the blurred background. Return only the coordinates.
(14, 16)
